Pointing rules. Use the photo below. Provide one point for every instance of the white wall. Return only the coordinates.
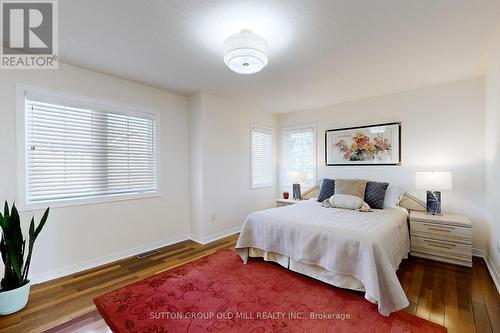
(442, 130)
(92, 234)
(220, 133)
(492, 146)
(196, 166)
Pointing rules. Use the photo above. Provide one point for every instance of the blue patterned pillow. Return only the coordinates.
(375, 194)
(327, 189)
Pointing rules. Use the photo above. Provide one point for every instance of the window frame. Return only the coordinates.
(283, 155)
(22, 172)
(273, 158)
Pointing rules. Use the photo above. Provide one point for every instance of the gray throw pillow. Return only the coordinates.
(327, 189)
(375, 194)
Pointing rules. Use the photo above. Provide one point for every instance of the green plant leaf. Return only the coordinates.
(3, 251)
(6, 210)
(33, 234)
(32, 237)
(13, 238)
(32, 228)
(3, 223)
(13, 246)
(42, 222)
(3, 219)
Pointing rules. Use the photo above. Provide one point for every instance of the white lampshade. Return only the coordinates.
(245, 52)
(297, 176)
(433, 181)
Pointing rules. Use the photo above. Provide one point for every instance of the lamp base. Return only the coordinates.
(296, 192)
(434, 203)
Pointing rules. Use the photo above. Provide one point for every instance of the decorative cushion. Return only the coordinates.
(326, 203)
(354, 187)
(346, 202)
(327, 189)
(375, 194)
(365, 208)
(393, 196)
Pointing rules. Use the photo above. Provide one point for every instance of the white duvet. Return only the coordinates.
(367, 246)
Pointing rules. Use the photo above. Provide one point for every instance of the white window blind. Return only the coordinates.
(298, 153)
(76, 151)
(262, 157)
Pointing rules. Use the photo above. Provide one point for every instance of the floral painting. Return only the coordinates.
(378, 144)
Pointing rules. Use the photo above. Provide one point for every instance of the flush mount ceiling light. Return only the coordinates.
(245, 52)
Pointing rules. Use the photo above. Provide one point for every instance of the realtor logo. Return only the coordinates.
(29, 34)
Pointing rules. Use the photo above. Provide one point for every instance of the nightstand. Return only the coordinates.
(285, 202)
(446, 238)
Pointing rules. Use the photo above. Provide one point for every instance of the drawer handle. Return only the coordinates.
(439, 229)
(443, 227)
(442, 245)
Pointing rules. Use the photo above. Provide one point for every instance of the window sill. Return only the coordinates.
(256, 187)
(86, 201)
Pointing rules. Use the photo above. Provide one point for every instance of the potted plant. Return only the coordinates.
(15, 286)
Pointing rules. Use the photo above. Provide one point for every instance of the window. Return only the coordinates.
(76, 150)
(262, 157)
(299, 153)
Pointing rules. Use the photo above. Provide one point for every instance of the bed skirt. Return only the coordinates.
(316, 272)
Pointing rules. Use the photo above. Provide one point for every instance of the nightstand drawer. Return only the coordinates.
(441, 232)
(441, 248)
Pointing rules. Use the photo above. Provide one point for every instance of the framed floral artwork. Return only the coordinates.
(364, 145)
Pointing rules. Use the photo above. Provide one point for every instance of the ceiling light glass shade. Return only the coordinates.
(245, 52)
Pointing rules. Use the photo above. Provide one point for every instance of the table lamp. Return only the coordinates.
(433, 183)
(297, 177)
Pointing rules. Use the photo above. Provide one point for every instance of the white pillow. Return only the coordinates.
(393, 196)
(348, 202)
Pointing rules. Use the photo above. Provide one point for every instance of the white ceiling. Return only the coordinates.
(321, 51)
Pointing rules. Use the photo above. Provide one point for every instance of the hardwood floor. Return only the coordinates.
(462, 299)
(459, 298)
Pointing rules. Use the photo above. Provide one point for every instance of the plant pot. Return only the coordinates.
(14, 300)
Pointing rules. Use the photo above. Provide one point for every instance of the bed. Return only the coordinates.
(345, 248)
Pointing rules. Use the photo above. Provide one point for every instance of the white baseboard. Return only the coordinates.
(88, 264)
(216, 236)
(478, 252)
(489, 263)
(493, 271)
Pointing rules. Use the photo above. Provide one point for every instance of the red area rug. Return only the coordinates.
(218, 293)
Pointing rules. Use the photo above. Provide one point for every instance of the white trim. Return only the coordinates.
(86, 201)
(489, 263)
(478, 252)
(92, 263)
(493, 272)
(85, 101)
(271, 183)
(20, 144)
(215, 236)
(22, 205)
(282, 176)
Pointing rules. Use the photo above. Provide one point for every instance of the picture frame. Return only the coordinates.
(378, 144)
